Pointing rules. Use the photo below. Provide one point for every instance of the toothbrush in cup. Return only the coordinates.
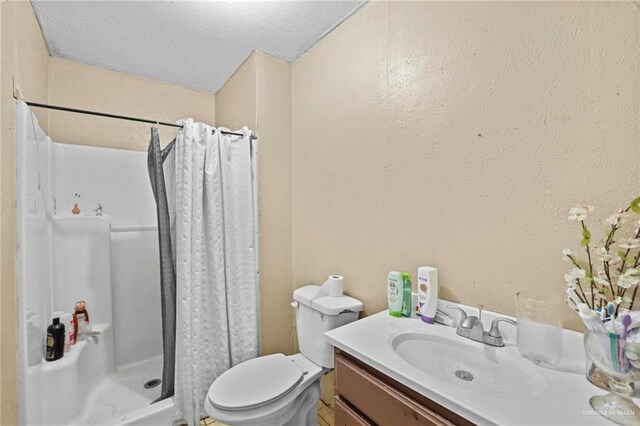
(622, 342)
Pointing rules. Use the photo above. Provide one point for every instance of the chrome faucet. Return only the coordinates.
(472, 328)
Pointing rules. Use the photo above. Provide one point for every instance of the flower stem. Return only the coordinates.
(583, 296)
(590, 266)
(635, 290)
(624, 259)
(633, 298)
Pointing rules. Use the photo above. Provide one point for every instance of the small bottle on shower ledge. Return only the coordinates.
(81, 320)
(76, 210)
(55, 341)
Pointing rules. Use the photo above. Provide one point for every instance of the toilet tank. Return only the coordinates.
(317, 315)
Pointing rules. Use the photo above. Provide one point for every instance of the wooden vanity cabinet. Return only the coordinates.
(365, 396)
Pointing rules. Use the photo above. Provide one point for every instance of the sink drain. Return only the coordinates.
(152, 383)
(464, 375)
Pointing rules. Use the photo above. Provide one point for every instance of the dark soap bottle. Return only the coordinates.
(55, 341)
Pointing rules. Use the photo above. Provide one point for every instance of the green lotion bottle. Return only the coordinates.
(395, 293)
(407, 309)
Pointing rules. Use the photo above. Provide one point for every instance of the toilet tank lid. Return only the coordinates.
(327, 305)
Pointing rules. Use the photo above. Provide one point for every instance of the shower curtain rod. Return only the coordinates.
(120, 117)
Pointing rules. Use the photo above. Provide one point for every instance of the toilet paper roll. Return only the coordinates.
(335, 284)
(333, 287)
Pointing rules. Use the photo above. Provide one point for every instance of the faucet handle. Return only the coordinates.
(463, 314)
(495, 329)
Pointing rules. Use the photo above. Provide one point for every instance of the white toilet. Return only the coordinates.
(285, 390)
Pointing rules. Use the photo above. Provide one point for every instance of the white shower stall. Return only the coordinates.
(109, 260)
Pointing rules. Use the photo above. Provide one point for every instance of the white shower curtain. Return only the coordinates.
(216, 260)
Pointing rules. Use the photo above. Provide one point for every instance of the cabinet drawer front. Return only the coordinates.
(380, 402)
(345, 416)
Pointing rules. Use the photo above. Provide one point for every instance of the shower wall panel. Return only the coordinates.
(118, 181)
(106, 254)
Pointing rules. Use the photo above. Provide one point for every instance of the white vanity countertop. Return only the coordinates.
(561, 395)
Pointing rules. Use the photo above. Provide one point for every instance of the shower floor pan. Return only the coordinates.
(122, 398)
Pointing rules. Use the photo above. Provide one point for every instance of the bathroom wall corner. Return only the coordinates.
(273, 124)
(258, 95)
(24, 65)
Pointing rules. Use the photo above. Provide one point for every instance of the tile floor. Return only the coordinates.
(325, 414)
(325, 417)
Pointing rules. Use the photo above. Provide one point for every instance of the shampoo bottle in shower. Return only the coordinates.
(81, 320)
(55, 341)
(395, 293)
(67, 320)
(72, 330)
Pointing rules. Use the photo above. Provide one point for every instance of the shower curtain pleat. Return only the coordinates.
(240, 244)
(216, 272)
(155, 160)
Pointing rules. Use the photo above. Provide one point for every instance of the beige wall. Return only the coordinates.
(274, 129)
(82, 86)
(236, 101)
(258, 95)
(24, 61)
(457, 135)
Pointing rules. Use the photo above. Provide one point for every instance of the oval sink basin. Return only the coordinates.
(486, 369)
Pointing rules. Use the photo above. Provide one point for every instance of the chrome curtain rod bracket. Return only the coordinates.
(119, 117)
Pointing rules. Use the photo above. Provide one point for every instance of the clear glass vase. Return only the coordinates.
(617, 405)
(596, 376)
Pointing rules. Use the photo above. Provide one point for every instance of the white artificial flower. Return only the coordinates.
(631, 243)
(578, 273)
(568, 255)
(601, 281)
(604, 254)
(614, 219)
(573, 275)
(611, 258)
(630, 278)
(579, 212)
(626, 282)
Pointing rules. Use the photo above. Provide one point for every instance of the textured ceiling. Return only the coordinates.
(192, 44)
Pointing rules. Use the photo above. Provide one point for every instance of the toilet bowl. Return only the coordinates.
(282, 399)
(284, 390)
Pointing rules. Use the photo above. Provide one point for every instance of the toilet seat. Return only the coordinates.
(255, 383)
(282, 409)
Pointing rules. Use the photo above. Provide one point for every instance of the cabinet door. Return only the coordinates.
(380, 402)
(345, 416)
